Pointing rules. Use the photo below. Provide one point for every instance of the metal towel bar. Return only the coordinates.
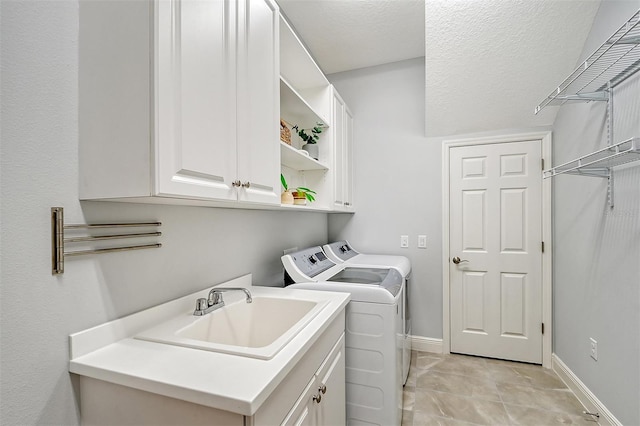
(58, 239)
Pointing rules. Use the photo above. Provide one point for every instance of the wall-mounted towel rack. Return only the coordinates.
(58, 239)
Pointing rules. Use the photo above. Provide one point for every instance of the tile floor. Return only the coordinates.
(463, 390)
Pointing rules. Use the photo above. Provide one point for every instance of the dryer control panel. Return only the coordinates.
(311, 261)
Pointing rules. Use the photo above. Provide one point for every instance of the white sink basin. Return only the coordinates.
(259, 329)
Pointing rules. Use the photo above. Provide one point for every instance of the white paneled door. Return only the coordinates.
(495, 250)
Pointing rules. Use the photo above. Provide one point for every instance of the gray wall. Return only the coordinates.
(597, 249)
(397, 180)
(202, 246)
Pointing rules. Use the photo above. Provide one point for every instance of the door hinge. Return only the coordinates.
(542, 245)
(542, 328)
(542, 163)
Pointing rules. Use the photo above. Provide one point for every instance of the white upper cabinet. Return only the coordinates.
(195, 71)
(342, 132)
(259, 101)
(179, 99)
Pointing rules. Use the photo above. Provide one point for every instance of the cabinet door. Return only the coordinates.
(195, 98)
(338, 151)
(258, 97)
(331, 380)
(348, 159)
(303, 412)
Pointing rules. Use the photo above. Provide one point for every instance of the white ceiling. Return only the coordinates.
(488, 62)
(349, 34)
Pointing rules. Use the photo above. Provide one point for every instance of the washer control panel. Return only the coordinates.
(311, 261)
(343, 250)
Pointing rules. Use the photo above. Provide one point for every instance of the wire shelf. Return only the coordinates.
(599, 163)
(611, 64)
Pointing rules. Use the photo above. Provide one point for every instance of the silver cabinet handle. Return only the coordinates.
(322, 388)
(247, 184)
(457, 260)
(317, 398)
(236, 183)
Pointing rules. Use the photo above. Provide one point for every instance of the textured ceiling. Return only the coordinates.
(490, 62)
(349, 34)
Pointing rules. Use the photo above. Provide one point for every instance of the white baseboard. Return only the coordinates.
(582, 392)
(426, 344)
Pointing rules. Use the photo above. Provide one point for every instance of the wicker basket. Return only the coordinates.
(285, 133)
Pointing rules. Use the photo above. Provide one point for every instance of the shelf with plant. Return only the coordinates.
(297, 160)
(310, 137)
(299, 195)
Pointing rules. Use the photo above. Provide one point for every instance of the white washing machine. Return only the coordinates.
(374, 331)
(341, 252)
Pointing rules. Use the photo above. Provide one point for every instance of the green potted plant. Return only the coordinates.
(310, 139)
(301, 195)
(286, 197)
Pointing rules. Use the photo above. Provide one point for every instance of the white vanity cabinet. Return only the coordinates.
(323, 401)
(342, 154)
(313, 407)
(179, 99)
(127, 380)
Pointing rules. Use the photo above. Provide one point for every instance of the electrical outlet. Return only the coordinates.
(594, 349)
(404, 241)
(422, 241)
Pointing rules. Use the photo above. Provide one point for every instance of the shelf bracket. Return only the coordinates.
(610, 189)
(595, 172)
(609, 113)
(602, 96)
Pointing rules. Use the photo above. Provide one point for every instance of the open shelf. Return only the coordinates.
(599, 163)
(296, 63)
(611, 64)
(295, 159)
(295, 110)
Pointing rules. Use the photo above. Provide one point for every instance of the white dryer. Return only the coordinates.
(341, 252)
(373, 337)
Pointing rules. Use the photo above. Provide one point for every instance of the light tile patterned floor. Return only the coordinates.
(463, 390)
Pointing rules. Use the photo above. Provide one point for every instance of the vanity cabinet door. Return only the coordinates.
(331, 410)
(303, 411)
(323, 402)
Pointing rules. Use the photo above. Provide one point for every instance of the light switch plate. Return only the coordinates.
(404, 241)
(422, 241)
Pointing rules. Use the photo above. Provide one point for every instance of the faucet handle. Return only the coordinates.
(202, 304)
(215, 297)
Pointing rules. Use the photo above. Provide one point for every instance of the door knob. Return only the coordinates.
(236, 183)
(322, 388)
(317, 398)
(457, 260)
(246, 184)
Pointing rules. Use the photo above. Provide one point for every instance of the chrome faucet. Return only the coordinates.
(214, 300)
